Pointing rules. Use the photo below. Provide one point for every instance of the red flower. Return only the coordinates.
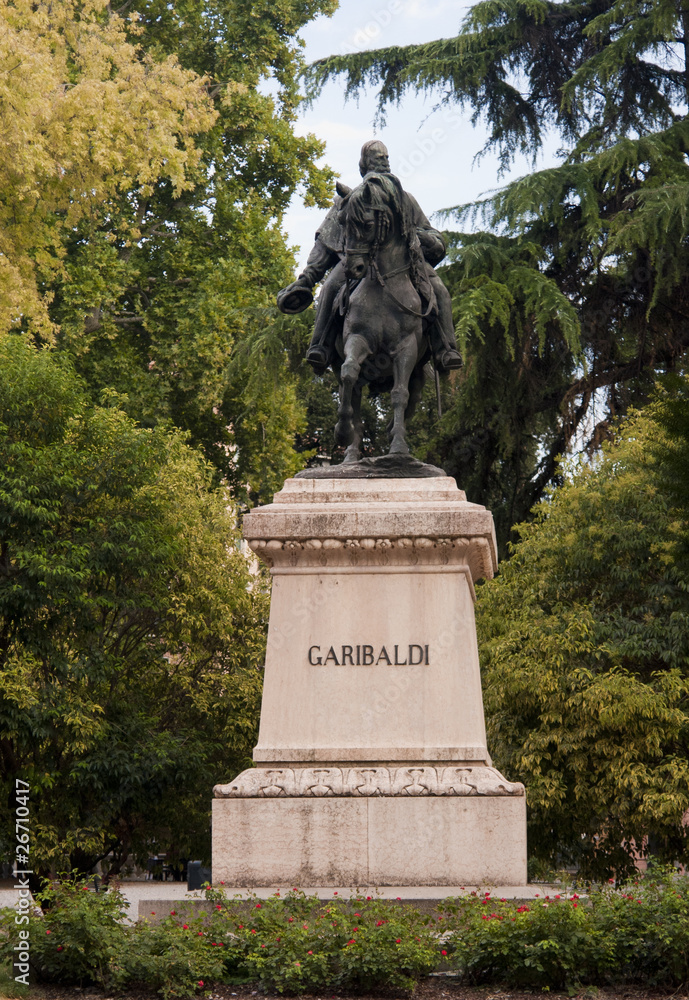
(253, 931)
(153, 913)
(335, 893)
(484, 916)
(398, 940)
(443, 952)
(222, 883)
(369, 897)
(357, 914)
(523, 909)
(218, 906)
(263, 946)
(49, 932)
(200, 933)
(354, 930)
(240, 927)
(398, 898)
(59, 947)
(185, 927)
(575, 904)
(297, 963)
(258, 906)
(290, 920)
(200, 982)
(351, 941)
(379, 923)
(309, 953)
(574, 896)
(173, 913)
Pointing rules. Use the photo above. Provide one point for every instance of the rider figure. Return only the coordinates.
(328, 255)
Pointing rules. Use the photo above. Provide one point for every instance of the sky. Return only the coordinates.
(432, 152)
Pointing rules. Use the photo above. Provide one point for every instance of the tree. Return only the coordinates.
(145, 176)
(577, 293)
(584, 643)
(131, 630)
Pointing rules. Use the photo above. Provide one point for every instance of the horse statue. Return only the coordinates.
(382, 344)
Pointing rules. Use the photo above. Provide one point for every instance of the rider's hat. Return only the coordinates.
(294, 299)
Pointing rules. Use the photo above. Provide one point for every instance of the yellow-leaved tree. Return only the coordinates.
(85, 116)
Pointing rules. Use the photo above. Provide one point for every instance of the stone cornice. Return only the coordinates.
(323, 553)
(321, 782)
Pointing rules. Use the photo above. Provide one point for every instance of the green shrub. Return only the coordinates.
(546, 941)
(646, 922)
(80, 933)
(637, 932)
(177, 957)
(296, 943)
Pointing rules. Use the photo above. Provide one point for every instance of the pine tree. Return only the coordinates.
(576, 294)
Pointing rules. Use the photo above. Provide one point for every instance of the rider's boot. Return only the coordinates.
(441, 334)
(320, 350)
(318, 357)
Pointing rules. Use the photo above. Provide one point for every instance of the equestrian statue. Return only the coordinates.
(382, 312)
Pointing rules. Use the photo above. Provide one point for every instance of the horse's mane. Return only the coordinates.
(384, 193)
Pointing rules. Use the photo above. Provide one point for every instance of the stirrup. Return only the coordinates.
(319, 358)
(448, 360)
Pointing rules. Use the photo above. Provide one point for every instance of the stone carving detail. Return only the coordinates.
(360, 552)
(321, 782)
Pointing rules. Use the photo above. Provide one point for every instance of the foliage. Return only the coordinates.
(575, 297)
(584, 640)
(296, 943)
(87, 117)
(130, 627)
(637, 932)
(145, 175)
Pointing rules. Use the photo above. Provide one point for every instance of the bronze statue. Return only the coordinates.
(382, 311)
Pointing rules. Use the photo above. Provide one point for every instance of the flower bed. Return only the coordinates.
(634, 933)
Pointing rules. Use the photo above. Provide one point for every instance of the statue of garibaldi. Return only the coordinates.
(328, 254)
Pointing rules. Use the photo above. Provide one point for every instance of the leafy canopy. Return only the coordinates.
(130, 627)
(584, 641)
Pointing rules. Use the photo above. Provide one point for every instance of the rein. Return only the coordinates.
(381, 278)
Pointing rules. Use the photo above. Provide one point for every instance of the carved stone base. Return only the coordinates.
(374, 840)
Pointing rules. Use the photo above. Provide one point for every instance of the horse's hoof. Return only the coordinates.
(399, 448)
(351, 455)
(344, 432)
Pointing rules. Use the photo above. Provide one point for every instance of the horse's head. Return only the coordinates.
(368, 215)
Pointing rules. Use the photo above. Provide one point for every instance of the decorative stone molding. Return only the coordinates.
(474, 553)
(321, 782)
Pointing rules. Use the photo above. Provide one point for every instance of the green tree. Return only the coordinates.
(576, 293)
(584, 642)
(141, 209)
(131, 629)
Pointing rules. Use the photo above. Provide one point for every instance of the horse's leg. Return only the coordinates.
(403, 362)
(353, 452)
(357, 349)
(416, 384)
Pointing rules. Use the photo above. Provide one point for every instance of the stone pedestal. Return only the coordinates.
(371, 763)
